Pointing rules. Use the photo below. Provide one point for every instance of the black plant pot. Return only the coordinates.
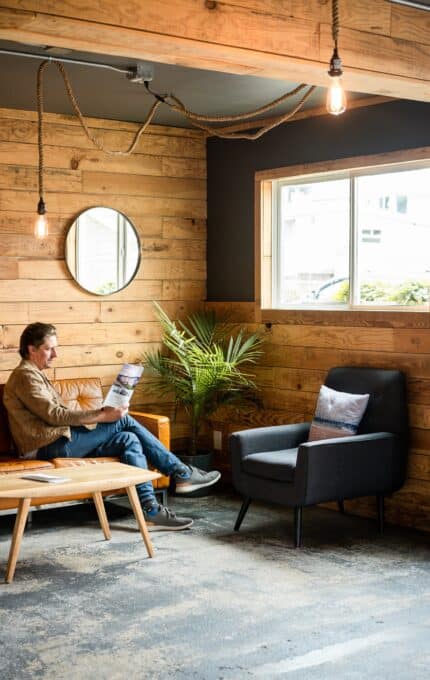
(203, 460)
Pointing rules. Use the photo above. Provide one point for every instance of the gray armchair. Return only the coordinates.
(277, 464)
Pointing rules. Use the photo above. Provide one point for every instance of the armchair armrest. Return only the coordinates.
(273, 438)
(346, 467)
(159, 426)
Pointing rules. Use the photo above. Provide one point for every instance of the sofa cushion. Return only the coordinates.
(338, 414)
(80, 462)
(277, 465)
(80, 393)
(20, 465)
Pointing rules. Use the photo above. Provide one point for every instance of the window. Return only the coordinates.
(346, 239)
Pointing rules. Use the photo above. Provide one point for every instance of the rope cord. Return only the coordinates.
(256, 135)
(180, 108)
(198, 120)
(78, 113)
(335, 21)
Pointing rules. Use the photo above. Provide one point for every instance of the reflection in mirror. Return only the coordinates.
(102, 250)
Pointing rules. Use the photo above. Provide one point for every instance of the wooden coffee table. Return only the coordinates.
(88, 478)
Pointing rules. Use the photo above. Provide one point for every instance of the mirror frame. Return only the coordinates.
(139, 258)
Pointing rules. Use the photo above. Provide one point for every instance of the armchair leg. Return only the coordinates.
(298, 527)
(380, 504)
(341, 507)
(242, 513)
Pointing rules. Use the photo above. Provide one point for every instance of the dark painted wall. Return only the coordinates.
(232, 164)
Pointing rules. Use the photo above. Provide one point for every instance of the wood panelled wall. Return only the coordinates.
(303, 345)
(161, 187)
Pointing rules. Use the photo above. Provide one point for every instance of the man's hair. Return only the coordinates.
(35, 335)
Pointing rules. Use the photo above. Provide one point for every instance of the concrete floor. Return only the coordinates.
(212, 604)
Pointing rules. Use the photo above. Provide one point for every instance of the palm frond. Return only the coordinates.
(202, 365)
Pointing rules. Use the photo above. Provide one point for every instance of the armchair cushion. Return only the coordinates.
(338, 414)
(277, 465)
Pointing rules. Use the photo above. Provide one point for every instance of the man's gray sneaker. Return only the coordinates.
(198, 479)
(166, 520)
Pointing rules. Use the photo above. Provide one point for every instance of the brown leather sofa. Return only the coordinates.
(84, 393)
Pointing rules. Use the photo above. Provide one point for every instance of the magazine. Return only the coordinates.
(122, 389)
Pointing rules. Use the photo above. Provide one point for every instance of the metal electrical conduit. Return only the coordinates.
(140, 73)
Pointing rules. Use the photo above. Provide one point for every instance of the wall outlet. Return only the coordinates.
(217, 440)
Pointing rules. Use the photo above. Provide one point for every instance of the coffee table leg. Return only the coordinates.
(18, 530)
(101, 512)
(137, 509)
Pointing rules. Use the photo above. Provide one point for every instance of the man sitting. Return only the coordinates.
(43, 427)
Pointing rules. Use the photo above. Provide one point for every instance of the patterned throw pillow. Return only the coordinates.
(338, 414)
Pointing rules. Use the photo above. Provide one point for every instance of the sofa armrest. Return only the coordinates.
(159, 426)
(274, 438)
(346, 467)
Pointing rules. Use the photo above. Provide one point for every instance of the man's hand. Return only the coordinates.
(109, 414)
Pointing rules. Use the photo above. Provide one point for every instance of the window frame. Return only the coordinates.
(264, 228)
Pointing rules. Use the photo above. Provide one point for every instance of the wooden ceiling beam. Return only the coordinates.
(288, 41)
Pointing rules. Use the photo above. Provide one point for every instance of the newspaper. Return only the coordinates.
(122, 389)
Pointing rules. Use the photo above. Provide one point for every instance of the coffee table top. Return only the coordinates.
(97, 477)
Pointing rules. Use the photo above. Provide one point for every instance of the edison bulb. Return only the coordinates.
(336, 98)
(41, 227)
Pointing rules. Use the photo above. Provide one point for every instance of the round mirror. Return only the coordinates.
(102, 250)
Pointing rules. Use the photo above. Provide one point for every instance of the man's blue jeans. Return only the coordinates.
(125, 439)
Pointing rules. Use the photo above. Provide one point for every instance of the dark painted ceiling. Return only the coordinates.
(109, 94)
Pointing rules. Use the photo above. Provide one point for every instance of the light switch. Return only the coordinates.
(217, 440)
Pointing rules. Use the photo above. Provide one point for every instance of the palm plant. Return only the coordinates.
(203, 366)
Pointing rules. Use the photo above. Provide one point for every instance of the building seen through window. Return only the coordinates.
(352, 238)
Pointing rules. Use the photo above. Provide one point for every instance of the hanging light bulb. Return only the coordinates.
(41, 223)
(336, 98)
